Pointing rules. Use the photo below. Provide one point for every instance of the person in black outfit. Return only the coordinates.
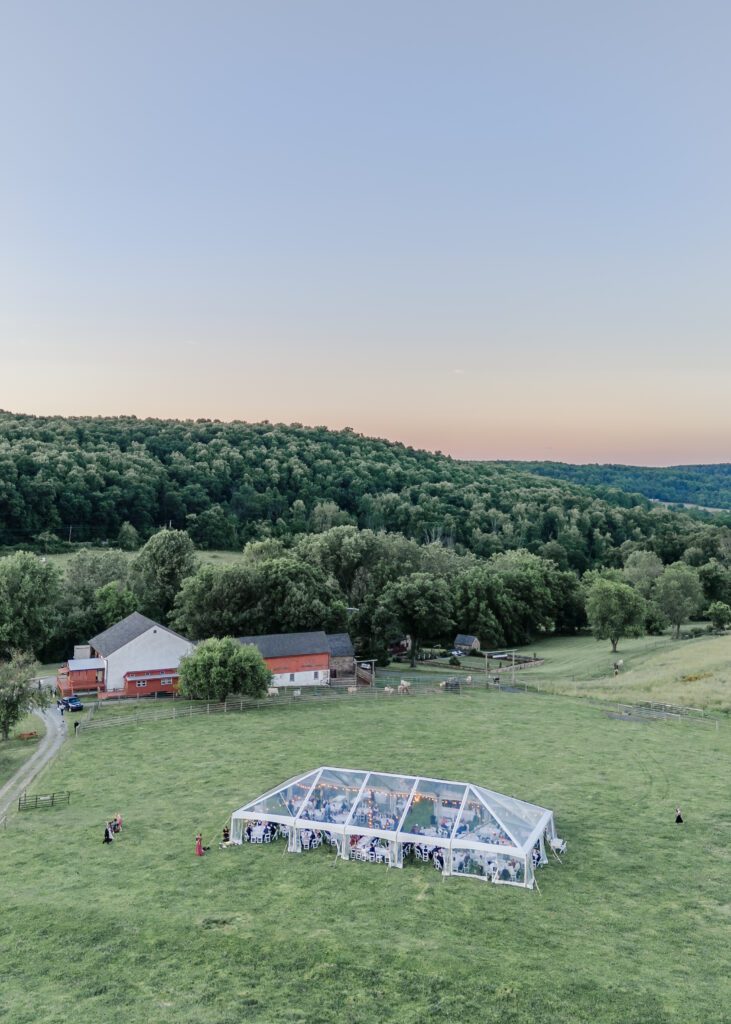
(678, 816)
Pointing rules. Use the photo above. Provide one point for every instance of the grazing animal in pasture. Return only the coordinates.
(443, 685)
(352, 689)
(404, 687)
(389, 689)
(296, 693)
(468, 681)
(272, 691)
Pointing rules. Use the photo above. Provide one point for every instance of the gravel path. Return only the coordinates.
(46, 750)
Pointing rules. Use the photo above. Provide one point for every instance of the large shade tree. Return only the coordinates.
(29, 602)
(19, 692)
(614, 611)
(86, 573)
(678, 594)
(292, 596)
(419, 605)
(216, 601)
(220, 666)
(159, 569)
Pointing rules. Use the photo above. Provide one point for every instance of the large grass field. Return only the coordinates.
(632, 927)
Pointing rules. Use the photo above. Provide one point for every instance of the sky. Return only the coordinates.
(501, 231)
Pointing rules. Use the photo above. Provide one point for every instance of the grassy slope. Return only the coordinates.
(690, 672)
(15, 753)
(632, 927)
(695, 673)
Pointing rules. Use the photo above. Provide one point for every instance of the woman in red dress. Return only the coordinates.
(199, 851)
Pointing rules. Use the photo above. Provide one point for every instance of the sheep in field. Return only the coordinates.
(272, 691)
(404, 687)
(352, 689)
(443, 685)
(296, 693)
(388, 689)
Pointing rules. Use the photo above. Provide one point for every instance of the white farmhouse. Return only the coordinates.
(139, 657)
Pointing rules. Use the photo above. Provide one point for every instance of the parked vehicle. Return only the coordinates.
(72, 703)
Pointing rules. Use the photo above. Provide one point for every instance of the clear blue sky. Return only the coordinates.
(501, 230)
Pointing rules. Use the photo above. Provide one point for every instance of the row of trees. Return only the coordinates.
(706, 485)
(647, 597)
(119, 479)
(374, 584)
(45, 611)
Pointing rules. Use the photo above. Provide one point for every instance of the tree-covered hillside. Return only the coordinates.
(229, 483)
(706, 486)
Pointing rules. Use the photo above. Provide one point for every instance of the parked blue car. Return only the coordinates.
(72, 704)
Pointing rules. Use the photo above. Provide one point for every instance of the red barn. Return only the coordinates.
(302, 659)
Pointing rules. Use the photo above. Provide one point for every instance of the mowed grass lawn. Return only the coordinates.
(632, 927)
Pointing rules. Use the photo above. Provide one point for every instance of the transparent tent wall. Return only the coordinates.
(510, 870)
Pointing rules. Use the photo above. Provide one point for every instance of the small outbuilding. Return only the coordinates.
(465, 642)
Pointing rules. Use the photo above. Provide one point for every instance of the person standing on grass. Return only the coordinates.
(199, 851)
(678, 816)
(108, 833)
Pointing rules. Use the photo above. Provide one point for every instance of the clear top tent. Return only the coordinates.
(466, 829)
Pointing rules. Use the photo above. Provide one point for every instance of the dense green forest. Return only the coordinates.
(707, 486)
(338, 531)
(229, 483)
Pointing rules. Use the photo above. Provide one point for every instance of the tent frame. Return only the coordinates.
(455, 842)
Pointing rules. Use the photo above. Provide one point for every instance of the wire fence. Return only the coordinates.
(100, 717)
(139, 712)
(651, 711)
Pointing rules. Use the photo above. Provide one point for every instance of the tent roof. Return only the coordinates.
(437, 811)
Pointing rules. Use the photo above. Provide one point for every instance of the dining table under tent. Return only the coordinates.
(463, 828)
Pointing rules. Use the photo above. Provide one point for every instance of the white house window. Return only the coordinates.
(142, 683)
(316, 675)
(291, 677)
(166, 682)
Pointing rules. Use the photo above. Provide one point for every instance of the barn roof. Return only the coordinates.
(341, 646)
(287, 645)
(464, 639)
(124, 632)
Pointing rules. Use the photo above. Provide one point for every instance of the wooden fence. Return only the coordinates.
(30, 803)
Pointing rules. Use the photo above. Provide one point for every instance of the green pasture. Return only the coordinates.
(632, 927)
(14, 752)
(692, 672)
